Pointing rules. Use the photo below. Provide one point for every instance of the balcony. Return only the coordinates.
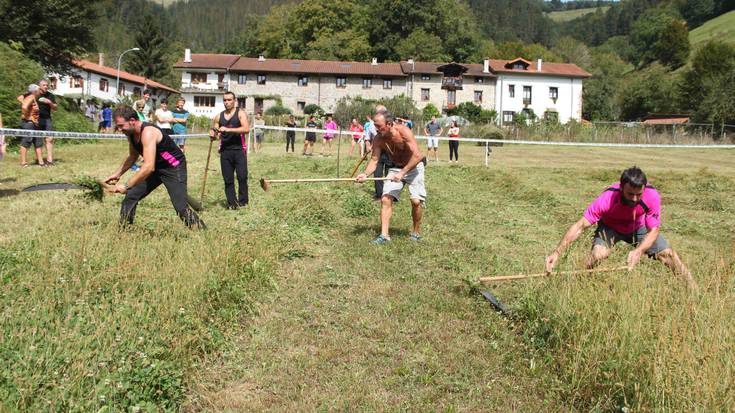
(452, 83)
(526, 101)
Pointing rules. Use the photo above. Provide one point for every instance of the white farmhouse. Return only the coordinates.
(94, 80)
(551, 90)
(548, 90)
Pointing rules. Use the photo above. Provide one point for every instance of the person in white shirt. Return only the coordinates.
(164, 117)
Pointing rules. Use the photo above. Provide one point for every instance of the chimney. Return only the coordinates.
(261, 58)
(410, 61)
(539, 63)
(101, 59)
(375, 61)
(486, 66)
(187, 56)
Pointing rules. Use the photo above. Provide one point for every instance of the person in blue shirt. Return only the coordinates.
(106, 122)
(179, 123)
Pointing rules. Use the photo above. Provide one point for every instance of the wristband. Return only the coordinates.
(126, 186)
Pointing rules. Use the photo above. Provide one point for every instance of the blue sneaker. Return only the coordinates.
(135, 167)
(414, 236)
(380, 240)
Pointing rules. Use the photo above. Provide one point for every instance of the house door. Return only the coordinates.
(258, 105)
(451, 98)
(241, 102)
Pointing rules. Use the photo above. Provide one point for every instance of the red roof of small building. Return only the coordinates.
(208, 61)
(253, 64)
(547, 68)
(128, 77)
(666, 121)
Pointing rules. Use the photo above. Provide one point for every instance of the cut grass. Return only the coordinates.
(284, 306)
(567, 15)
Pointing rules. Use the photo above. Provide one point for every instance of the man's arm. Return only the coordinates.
(124, 166)
(27, 103)
(569, 237)
(49, 102)
(370, 168)
(214, 132)
(650, 239)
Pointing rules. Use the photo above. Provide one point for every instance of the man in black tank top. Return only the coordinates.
(230, 127)
(163, 163)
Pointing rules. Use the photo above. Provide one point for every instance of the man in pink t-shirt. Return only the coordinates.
(628, 211)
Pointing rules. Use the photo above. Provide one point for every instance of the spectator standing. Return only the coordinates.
(2, 140)
(164, 118)
(148, 107)
(29, 113)
(290, 134)
(453, 134)
(106, 122)
(178, 124)
(330, 125)
(259, 132)
(357, 130)
(310, 137)
(433, 130)
(370, 132)
(90, 111)
(140, 110)
(46, 104)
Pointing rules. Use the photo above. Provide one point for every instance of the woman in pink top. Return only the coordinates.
(330, 125)
(357, 129)
(453, 143)
(628, 211)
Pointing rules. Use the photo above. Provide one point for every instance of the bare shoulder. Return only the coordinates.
(150, 135)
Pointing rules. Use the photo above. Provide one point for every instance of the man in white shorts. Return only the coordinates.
(433, 129)
(398, 142)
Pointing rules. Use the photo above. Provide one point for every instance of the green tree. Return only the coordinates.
(710, 64)
(697, 12)
(650, 90)
(512, 50)
(601, 91)
(429, 111)
(718, 106)
(16, 73)
(422, 46)
(150, 61)
(573, 51)
(51, 32)
(661, 36)
(345, 45)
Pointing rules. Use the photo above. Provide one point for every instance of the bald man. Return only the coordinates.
(399, 144)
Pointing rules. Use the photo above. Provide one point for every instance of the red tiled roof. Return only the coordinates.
(432, 67)
(252, 64)
(665, 121)
(208, 61)
(554, 69)
(129, 77)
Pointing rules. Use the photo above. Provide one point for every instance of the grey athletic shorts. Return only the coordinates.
(413, 178)
(27, 141)
(608, 237)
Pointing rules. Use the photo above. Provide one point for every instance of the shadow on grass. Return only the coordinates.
(8, 192)
(375, 229)
(8, 179)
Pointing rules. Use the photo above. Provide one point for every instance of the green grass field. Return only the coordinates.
(567, 15)
(720, 28)
(284, 306)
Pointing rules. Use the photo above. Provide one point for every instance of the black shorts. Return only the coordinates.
(311, 138)
(45, 124)
(27, 141)
(608, 237)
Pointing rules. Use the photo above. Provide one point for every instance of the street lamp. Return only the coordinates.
(119, 59)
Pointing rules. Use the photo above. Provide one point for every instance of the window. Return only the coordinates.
(519, 65)
(508, 116)
(204, 101)
(303, 81)
(425, 76)
(512, 91)
(451, 98)
(479, 80)
(341, 82)
(300, 106)
(76, 82)
(136, 91)
(121, 89)
(526, 95)
(53, 82)
(198, 78)
(554, 93)
(551, 116)
(261, 79)
(242, 78)
(478, 96)
(220, 78)
(367, 83)
(387, 83)
(104, 85)
(425, 94)
(241, 102)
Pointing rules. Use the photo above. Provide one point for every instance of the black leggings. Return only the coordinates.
(290, 139)
(453, 147)
(231, 161)
(174, 179)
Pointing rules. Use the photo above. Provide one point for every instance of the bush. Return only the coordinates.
(16, 73)
(429, 111)
(313, 109)
(348, 108)
(277, 110)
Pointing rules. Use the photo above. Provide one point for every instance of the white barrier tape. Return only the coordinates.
(82, 135)
(519, 142)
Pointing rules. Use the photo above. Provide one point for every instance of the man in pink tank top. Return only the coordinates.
(628, 211)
